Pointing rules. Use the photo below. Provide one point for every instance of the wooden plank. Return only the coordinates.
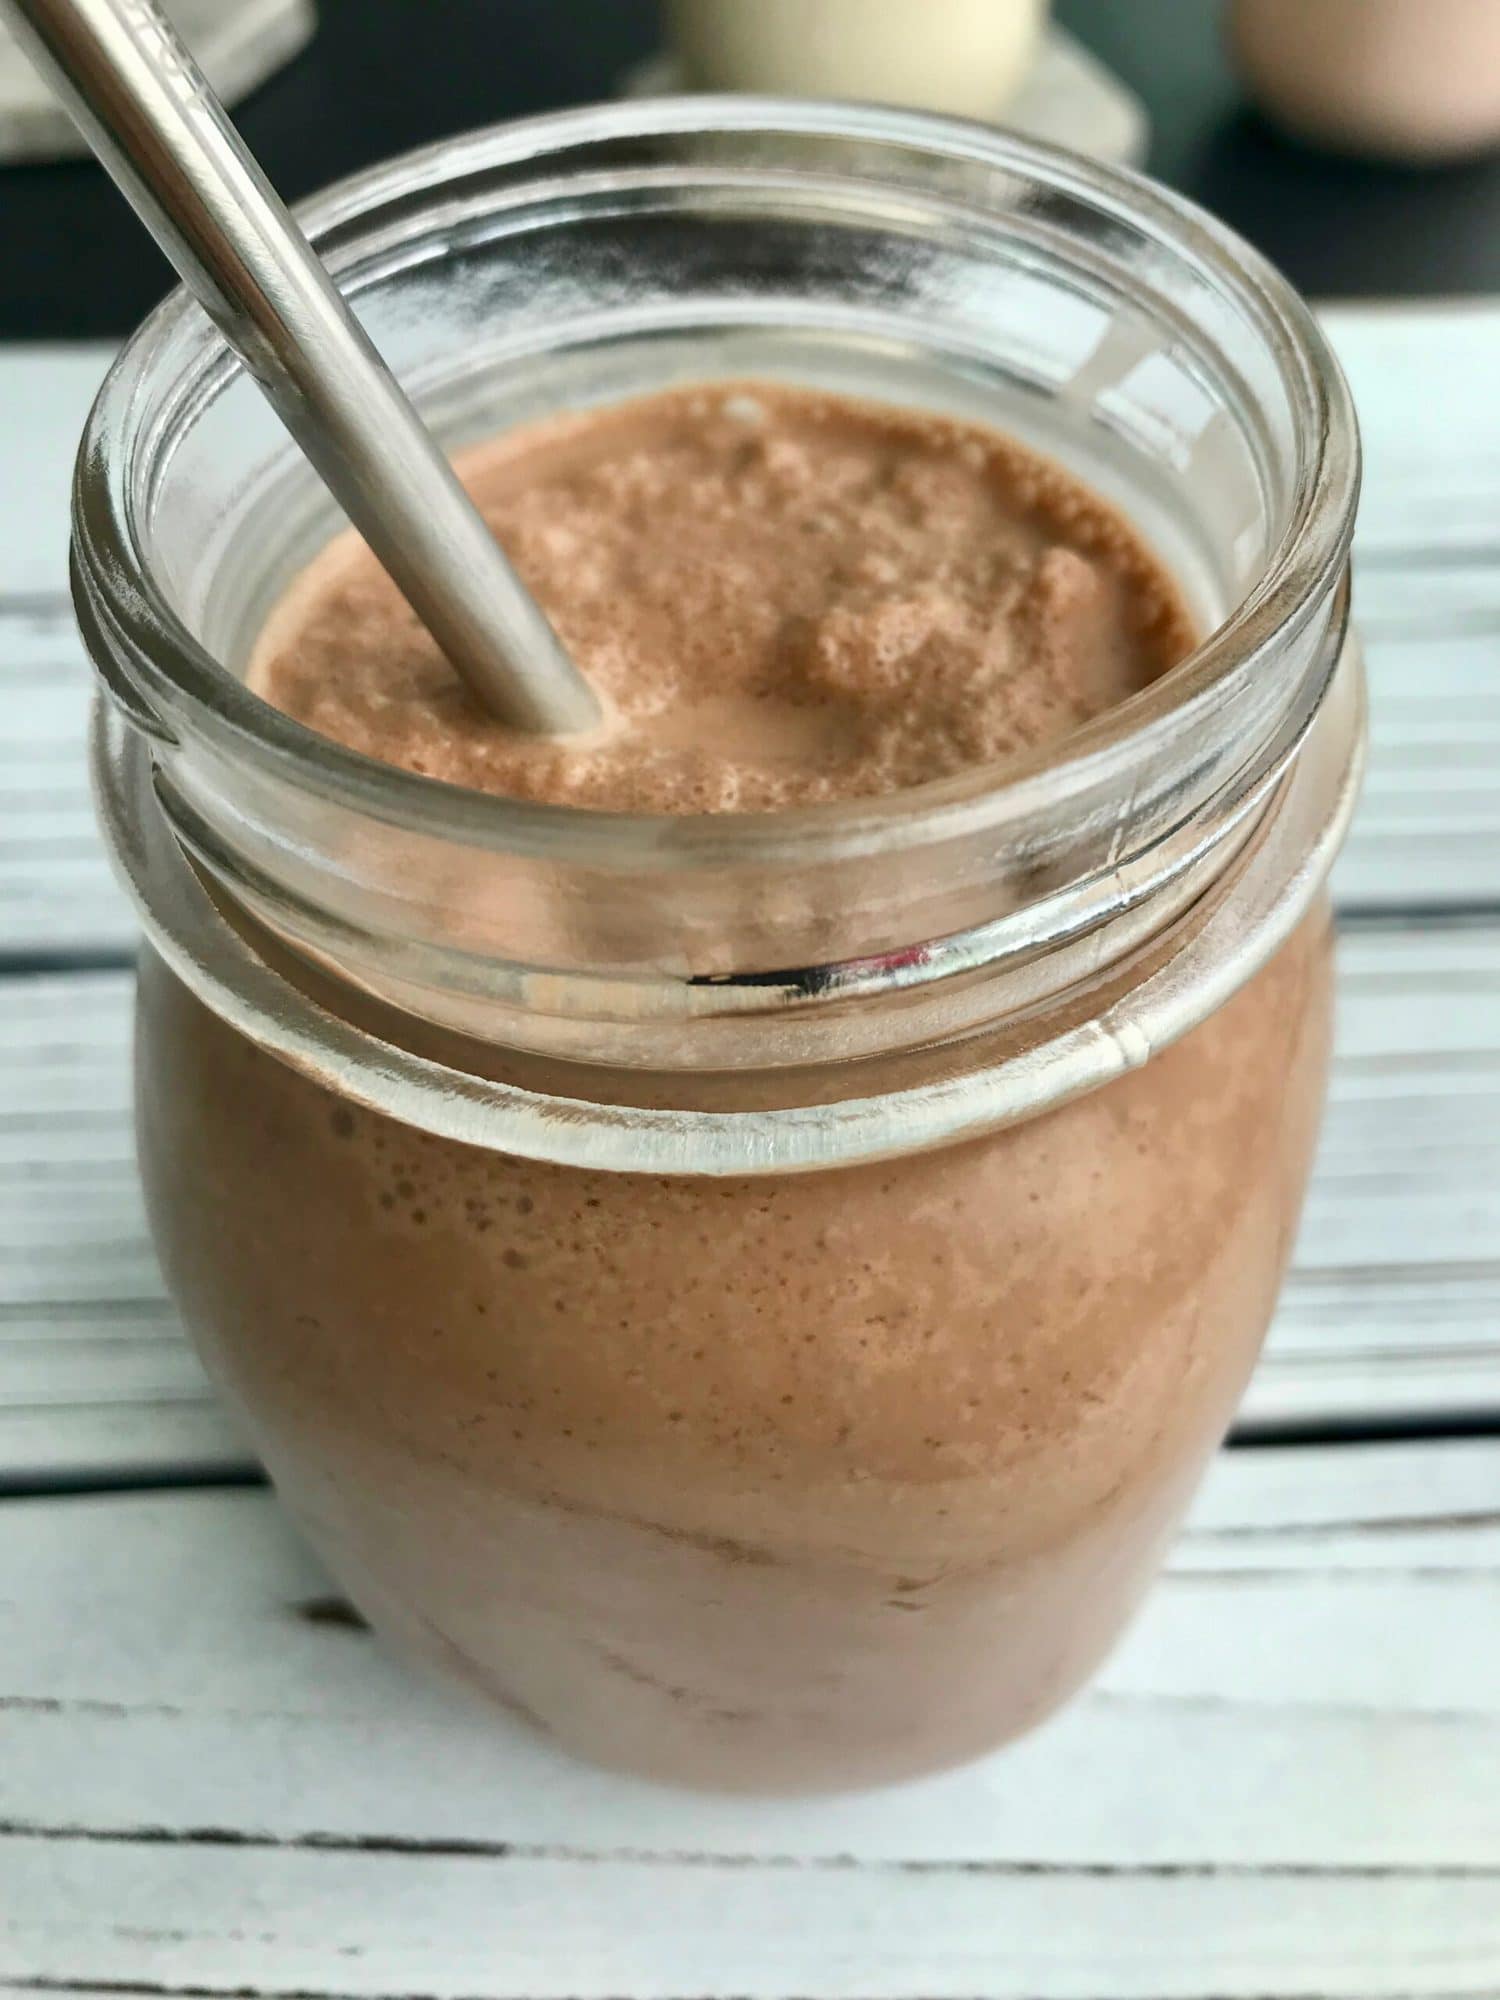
(1393, 1306)
(1428, 602)
(224, 1921)
(1419, 372)
(1428, 833)
(96, 1378)
(57, 893)
(1431, 432)
(45, 393)
(1284, 1783)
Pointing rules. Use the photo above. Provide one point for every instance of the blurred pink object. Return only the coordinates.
(1398, 79)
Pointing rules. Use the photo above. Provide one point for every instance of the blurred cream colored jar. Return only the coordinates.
(965, 57)
(1397, 79)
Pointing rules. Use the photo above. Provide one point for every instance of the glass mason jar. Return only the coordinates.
(751, 1293)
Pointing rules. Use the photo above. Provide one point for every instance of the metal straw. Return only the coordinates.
(147, 111)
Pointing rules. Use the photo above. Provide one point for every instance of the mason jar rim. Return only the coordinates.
(1308, 557)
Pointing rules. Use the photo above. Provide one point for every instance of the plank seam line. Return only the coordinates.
(189, 1398)
(1461, 914)
(124, 1989)
(205, 1475)
(37, 604)
(1396, 629)
(115, 1306)
(240, 1472)
(141, 1309)
(1391, 1524)
(550, 1851)
(85, 961)
(1454, 1577)
(1421, 1426)
(1391, 1276)
(1386, 556)
(1349, 1711)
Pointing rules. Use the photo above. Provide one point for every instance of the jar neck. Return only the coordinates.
(798, 958)
(834, 1113)
(851, 249)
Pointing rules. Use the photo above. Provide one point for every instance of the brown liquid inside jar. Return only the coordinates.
(780, 1480)
(781, 598)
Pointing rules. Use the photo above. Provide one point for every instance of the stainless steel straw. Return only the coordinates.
(148, 112)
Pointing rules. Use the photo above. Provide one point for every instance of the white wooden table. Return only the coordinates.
(1287, 1782)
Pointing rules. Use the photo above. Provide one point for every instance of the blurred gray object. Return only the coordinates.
(238, 42)
(1068, 98)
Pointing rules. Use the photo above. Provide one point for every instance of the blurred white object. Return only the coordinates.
(1398, 79)
(961, 56)
(239, 43)
(1065, 95)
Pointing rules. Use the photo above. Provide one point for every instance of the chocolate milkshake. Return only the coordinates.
(771, 1480)
(781, 598)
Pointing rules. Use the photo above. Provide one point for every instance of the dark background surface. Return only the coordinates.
(384, 75)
